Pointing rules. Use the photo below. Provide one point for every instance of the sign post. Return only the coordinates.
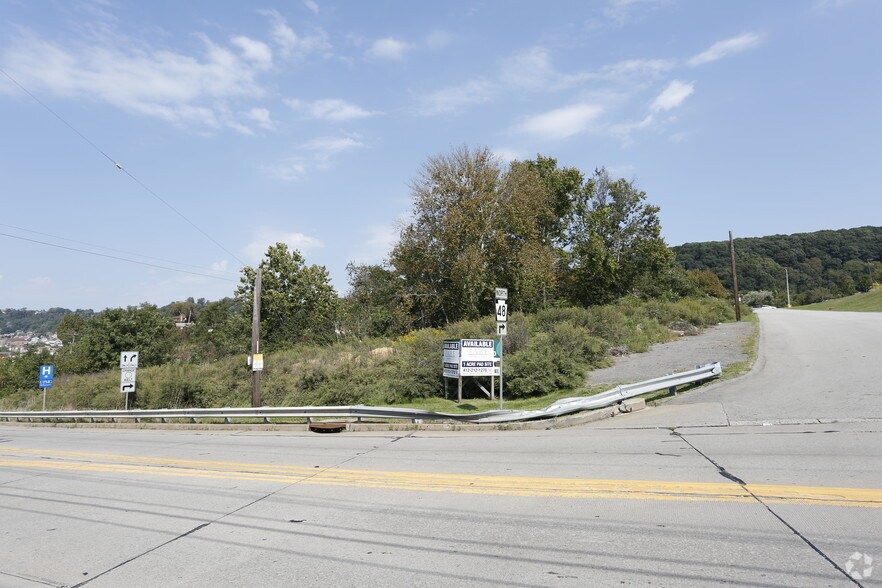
(47, 373)
(128, 366)
(501, 330)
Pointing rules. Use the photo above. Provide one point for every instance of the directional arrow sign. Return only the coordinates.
(127, 380)
(128, 359)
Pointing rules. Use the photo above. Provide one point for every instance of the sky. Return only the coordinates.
(191, 136)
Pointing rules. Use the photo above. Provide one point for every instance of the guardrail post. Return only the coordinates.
(672, 390)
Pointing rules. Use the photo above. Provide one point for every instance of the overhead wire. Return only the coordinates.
(119, 166)
(199, 267)
(115, 257)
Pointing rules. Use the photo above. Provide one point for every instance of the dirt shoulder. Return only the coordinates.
(723, 343)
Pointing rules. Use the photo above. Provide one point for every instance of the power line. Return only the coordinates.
(114, 250)
(172, 269)
(120, 167)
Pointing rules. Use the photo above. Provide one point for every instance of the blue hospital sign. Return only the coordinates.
(47, 373)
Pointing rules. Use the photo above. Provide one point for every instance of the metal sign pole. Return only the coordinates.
(44, 399)
(501, 401)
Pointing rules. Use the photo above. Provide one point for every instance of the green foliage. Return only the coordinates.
(218, 330)
(822, 265)
(144, 328)
(546, 352)
(374, 306)
(22, 371)
(298, 303)
(707, 282)
(542, 231)
(615, 242)
(757, 298)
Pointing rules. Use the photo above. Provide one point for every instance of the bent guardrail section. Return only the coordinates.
(561, 407)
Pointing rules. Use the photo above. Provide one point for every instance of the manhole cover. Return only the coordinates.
(327, 427)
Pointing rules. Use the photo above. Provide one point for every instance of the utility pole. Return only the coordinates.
(734, 278)
(255, 341)
(787, 279)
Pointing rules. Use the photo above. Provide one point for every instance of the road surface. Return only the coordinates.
(704, 490)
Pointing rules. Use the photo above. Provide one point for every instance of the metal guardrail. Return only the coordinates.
(559, 408)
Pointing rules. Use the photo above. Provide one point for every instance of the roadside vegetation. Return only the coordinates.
(582, 257)
(863, 302)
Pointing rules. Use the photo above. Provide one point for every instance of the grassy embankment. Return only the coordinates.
(861, 302)
(546, 357)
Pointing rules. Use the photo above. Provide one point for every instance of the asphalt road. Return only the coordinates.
(704, 490)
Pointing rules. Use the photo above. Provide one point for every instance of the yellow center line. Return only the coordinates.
(434, 482)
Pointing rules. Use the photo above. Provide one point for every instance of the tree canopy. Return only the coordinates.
(298, 303)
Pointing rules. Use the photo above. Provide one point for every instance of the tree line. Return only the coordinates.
(821, 265)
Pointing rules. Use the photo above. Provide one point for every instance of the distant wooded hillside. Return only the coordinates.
(36, 321)
(822, 265)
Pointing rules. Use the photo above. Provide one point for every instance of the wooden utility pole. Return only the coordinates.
(255, 342)
(734, 278)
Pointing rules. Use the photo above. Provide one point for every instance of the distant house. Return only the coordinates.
(182, 321)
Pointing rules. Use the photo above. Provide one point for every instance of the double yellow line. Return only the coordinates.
(17, 458)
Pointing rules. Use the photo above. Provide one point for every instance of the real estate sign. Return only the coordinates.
(470, 357)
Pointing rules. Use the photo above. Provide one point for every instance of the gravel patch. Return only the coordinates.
(720, 343)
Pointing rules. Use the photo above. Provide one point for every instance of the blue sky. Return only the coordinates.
(304, 122)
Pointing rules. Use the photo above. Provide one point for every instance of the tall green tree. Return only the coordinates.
(298, 303)
(614, 241)
(442, 254)
(374, 306)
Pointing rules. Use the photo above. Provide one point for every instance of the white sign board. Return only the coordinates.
(127, 381)
(502, 329)
(128, 360)
(501, 311)
(450, 359)
(502, 293)
(469, 357)
(478, 358)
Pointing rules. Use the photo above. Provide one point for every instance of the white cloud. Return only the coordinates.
(333, 109)
(331, 145)
(388, 48)
(220, 266)
(453, 98)
(266, 236)
(672, 96)
(290, 43)
(622, 11)
(725, 48)
(507, 155)
(318, 153)
(291, 169)
(262, 117)
(254, 51)
(312, 5)
(637, 67)
(138, 78)
(530, 68)
(438, 39)
(562, 122)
